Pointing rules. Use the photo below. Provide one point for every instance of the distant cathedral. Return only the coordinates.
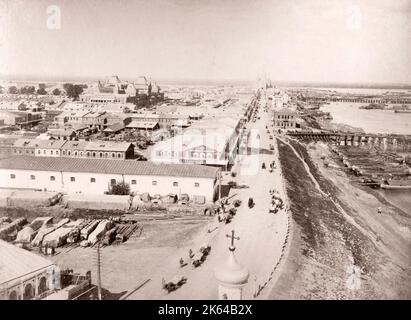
(113, 90)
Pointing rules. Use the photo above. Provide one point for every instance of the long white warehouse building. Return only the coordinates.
(95, 176)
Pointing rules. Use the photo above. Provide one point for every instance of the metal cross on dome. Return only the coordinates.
(232, 247)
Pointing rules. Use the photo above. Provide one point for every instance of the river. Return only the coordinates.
(372, 121)
(399, 198)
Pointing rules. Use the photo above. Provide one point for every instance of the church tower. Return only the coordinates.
(231, 276)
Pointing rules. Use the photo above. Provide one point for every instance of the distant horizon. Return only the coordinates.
(199, 81)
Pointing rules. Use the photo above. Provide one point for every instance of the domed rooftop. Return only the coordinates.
(232, 273)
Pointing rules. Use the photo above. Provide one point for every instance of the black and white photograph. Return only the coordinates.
(205, 150)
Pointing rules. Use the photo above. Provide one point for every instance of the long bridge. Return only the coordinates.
(392, 100)
(395, 141)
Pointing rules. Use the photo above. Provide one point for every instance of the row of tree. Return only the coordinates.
(31, 90)
(72, 90)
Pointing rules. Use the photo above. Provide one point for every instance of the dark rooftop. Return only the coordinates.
(130, 167)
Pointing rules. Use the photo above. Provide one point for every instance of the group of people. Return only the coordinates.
(198, 257)
(276, 202)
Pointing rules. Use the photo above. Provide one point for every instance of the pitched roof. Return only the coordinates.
(142, 124)
(108, 146)
(27, 143)
(75, 113)
(129, 167)
(16, 262)
(96, 145)
(284, 110)
(61, 132)
(47, 144)
(115, 127)
(96, 114)
(77, 145)
(212, 140)
(8, 141)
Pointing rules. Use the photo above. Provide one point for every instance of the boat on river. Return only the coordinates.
(397, 184)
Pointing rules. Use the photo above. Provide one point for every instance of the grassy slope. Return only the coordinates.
(324, 243)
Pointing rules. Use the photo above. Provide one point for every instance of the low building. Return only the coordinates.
(98, 150)
(114, 128)
(10, 118)
(211, 141)
(110, 150)
(164, 120)
(6, 146)
(184, 112)
(72, 149)
(37, 147)
(170, 120)
(21, 119)
(82, 118)
(96, 176)
(48, 148)
(284, 118)
(69, 117)
(143, 125)
(24, 146)
(64, 134)
(25, 275)
(95, 120)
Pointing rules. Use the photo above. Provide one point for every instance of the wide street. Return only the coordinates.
(262, 234)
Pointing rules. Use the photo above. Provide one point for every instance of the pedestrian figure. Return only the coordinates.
(181, 263)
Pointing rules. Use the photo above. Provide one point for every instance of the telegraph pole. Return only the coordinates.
(98, 271)
(219, 185)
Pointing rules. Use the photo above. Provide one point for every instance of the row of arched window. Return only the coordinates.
(193, 154)
(92, 154)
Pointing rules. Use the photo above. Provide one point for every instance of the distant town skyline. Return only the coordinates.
(305, 41)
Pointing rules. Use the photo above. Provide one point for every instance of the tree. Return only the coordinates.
(120, 189)
(27, 90)
(41, 91)
(73, 90)
(13, 90)
(57, 92)
(66, 86)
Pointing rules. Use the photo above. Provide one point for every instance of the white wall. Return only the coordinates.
(82, 183)
(47, 152)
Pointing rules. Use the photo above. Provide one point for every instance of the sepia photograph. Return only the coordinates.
(205, 150)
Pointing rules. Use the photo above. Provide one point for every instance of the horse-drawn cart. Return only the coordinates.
(200, 256)
(173, 284)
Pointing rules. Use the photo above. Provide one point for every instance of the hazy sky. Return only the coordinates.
(301, 40)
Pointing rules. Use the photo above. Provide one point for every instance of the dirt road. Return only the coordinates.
(262, 234)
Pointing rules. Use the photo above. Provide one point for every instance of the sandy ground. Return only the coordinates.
(126, 265)
(341, 248)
